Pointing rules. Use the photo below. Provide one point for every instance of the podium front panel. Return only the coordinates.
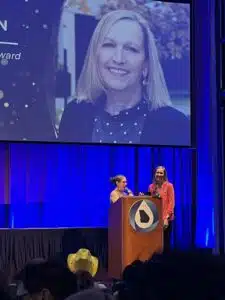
(135, 231)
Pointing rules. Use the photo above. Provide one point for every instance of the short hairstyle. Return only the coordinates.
(3, 287)
(84, 280)
(90, 85)
(49, 275)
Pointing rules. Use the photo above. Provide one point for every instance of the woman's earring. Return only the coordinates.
(145, 81)
(145, 78)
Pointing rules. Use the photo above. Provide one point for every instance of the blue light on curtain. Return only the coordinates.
(3, 185)
(55, 185)
(206, 121)
(64, 185)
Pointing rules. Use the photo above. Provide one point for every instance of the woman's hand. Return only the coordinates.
(129, 192)
(165, 223)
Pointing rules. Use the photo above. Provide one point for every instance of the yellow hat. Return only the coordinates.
(82, 260)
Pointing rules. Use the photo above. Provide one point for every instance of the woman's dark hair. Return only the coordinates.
(51, 275)
(84, 280)
(3, 287)
(116, 179)
(165, 173)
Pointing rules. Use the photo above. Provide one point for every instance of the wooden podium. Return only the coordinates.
(135, 231)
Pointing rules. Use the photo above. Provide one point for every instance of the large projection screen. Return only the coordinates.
(102, 72)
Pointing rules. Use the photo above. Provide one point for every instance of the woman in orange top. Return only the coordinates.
(162, 187)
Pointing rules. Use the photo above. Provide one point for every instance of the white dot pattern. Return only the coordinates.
(125, 128)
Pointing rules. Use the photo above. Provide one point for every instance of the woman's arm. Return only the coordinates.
(151, 188)
(171, 200)
(113, 197)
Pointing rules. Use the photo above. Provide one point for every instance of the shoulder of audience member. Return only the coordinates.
(93, 294)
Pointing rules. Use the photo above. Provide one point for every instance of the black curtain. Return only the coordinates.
(17, 247)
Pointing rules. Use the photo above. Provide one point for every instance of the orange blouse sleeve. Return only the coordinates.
(171, 200)
(150, 187)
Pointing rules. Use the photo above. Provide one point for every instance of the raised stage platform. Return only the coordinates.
(18, 246)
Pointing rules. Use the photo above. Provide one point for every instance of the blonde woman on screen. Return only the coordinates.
(122, 95)
(120, 189)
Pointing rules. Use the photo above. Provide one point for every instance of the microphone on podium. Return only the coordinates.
(128, 191)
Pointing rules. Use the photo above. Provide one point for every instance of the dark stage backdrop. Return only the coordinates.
(17, 247)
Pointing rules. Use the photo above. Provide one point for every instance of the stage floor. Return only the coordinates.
(18, 246)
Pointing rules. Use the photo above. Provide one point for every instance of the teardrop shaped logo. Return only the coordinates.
(144, 216)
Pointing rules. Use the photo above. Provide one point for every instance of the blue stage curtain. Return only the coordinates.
(56, 185)
(4, 185)
(207, 124)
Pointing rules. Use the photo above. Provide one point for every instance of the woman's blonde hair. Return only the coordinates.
(90, 85)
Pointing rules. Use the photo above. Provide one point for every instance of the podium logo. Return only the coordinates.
(143, 216)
